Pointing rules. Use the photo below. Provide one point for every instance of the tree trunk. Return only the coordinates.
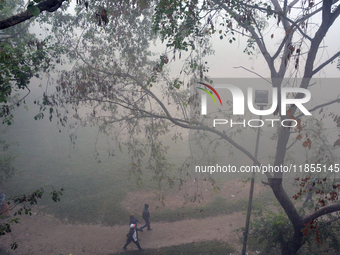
(281, 195)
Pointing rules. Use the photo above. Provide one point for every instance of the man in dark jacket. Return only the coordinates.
(146, 217)
(132, 236)
(133, 219)
(309, 188)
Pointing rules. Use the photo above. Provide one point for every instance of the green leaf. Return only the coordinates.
(2, 5)
(34, 10)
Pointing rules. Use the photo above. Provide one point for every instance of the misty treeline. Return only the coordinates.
(102, 60)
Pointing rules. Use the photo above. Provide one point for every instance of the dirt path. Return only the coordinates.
(41, 234)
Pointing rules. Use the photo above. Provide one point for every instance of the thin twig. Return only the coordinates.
(236, 67)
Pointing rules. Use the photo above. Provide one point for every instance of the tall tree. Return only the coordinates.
(22, 54)
(178, 21)
(22, 57)
(114, 79)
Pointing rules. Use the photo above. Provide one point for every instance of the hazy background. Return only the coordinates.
(94, 184)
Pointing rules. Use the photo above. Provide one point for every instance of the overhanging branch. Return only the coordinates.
(325, 63)
(320, 106)
(48, 5)
(322, 211)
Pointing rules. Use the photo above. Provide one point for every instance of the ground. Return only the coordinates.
(192, 193)
(43, 234)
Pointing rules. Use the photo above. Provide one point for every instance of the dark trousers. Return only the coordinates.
(129, 240)
(147, 224)
(309, 197)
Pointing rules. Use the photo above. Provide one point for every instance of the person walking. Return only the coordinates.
(132, 236)
(133, 219)
(146, 217)
(309, 189)
(4, 209)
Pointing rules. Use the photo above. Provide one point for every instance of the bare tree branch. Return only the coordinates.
(294, 2)
(14, 35)
(47, 5)
(322, 211)
(320, 106)
(259, 43)
(282, 44)
(276, 6)
(236, 67)
(325, 63)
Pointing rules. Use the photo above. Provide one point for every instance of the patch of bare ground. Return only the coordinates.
(43, 234)
(191, 194)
